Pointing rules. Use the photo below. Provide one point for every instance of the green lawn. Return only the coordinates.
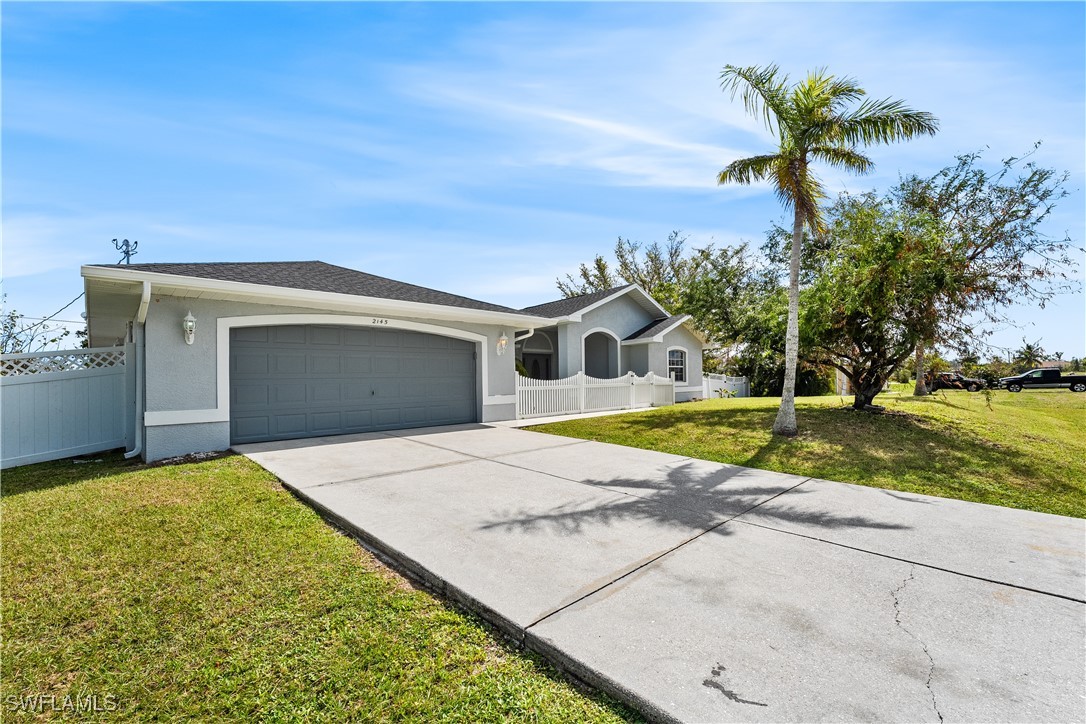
(205, 591)
(1027, 451)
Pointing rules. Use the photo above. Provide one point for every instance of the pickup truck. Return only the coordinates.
(1043, 378)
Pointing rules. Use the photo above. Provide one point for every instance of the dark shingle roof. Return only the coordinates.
(315, 276)
(654, 328)
(572, 305)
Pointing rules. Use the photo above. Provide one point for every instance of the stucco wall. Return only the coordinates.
(635, 358)
(167, 441)
(184, 377)
(680, 337)
(622, 316)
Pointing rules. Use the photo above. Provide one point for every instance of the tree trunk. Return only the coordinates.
(785, 424)
(921, 388)
(865, 396)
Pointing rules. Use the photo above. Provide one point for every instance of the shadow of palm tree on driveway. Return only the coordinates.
(694, 495)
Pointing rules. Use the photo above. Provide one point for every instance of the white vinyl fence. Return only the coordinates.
(581, 393)
(723, 386)
(58, 404)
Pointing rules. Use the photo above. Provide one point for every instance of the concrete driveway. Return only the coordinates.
(705, 592)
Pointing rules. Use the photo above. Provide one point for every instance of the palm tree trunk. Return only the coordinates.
(785, 424)
(921, 388)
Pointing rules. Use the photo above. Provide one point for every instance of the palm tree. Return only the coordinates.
(1030, 355)
(814, 120)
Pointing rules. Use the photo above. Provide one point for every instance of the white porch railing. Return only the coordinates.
(581, 393)
(724, 386)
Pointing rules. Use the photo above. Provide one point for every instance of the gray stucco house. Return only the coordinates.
(229, 353)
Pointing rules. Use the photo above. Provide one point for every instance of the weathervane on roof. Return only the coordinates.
(127, 249)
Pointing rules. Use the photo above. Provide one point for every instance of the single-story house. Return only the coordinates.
(228, 353)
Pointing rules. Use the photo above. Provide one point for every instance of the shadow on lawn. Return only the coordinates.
(691, 495)
(859, 441)
(70, 471)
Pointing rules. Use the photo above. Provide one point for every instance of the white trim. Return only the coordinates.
(686, 364)
(183, 417)
(618, 348)
(500, 400)
(145, 300)
(536, 350)
(59, 352)
(244, 291)
(221, 411)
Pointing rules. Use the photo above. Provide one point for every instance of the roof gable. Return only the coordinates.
(574, 307)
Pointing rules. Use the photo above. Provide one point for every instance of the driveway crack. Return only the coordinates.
(897, 620)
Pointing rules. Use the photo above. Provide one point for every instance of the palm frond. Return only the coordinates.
(764, 92)
(748, 170)
(882, 121)
(842, 157)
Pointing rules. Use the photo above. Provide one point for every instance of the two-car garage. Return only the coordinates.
(298, 381)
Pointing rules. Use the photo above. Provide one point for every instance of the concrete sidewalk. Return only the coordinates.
(705, 592)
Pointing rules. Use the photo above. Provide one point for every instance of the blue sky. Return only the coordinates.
(483, 149)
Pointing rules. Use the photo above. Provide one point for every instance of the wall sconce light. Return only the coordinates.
(189, 325)
(503, 342)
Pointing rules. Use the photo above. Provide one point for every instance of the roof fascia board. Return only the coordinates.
(318, 299)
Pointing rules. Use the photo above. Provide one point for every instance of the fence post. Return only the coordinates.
(582, 383)
(630, 378)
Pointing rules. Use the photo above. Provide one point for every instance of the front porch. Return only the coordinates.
(549, 354)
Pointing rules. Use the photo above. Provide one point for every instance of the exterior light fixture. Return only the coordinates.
(189, 325)
(503, 342)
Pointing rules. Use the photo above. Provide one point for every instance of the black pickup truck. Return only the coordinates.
(1044, 378)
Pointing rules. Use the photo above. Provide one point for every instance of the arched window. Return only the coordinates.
(676, 364)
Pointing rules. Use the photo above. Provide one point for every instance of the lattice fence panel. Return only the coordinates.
(61, 361)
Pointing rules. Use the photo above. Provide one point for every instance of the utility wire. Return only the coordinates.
(51, 316)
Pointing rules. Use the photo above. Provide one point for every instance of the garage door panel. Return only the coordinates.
(288, 364)
(386, 366)
(288, 393)
(255, 363)
(299, 381)
(249, 395)
(388, 338)
(325, 364)
(415, 415)
(356, 391)
(287, 335)
(355, 364)
(250, 427)
(388, 417)
(358, 337)
(325, 336)
(413, 366)
(290, 424)
(358, 420)
(325, 422)
(384, 390)
(325, 391)
(251, 334)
